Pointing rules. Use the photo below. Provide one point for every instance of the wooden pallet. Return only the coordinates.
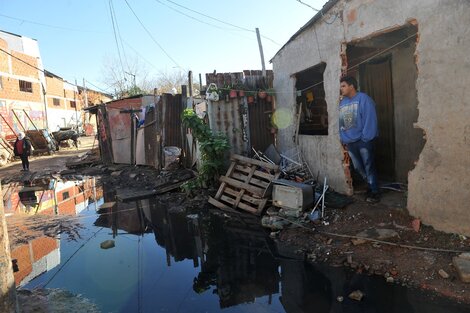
(247, 185)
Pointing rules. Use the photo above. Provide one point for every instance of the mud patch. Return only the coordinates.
(53, 301)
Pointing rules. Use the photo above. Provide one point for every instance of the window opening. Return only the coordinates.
(311, 97)
(25, 86)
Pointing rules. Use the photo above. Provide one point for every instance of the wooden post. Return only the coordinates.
(132, 112)
(261, 52)
(7, 281)
(159, 130)
(186, 159)
(200, 82)
(190, 83)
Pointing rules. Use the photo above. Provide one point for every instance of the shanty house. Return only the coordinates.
(412, 58)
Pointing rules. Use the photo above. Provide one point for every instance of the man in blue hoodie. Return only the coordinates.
(357, 130)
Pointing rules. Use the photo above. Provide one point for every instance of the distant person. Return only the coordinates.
(22, 149)
(358, 130)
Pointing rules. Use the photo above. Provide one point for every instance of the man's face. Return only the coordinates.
(346, 90)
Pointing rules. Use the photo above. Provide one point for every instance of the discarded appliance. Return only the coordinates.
(247, 185)
(292, 195)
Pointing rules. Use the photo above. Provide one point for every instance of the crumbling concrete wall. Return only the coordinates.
(439, 184)
(409, 141)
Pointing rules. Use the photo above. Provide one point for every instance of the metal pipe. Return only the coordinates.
(30, 120)
(8, 124)
(19, 121)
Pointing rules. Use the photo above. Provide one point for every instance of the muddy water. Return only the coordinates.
(165, 260)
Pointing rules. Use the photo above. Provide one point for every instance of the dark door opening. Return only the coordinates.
(376, 81)
(385, 68)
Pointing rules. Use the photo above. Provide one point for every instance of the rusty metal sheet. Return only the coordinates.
(120, 129)
(173, 109)
(260, 124)
(231, 119)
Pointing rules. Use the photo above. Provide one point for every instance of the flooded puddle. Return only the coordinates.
(149, 256)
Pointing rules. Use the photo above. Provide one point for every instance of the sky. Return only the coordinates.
(76, 38)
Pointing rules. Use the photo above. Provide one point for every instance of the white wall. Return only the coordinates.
(439, 184)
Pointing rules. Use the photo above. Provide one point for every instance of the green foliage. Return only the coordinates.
(213, 149)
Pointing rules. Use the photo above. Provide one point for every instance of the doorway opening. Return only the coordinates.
(385, 68)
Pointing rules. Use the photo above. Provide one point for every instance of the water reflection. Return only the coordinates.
(35, 253)
(168, 260)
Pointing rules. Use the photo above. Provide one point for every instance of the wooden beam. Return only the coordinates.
(254, 162)
(246, 169)
(238, 184)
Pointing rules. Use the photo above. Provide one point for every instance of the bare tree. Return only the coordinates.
(127, 79)
(133, 77)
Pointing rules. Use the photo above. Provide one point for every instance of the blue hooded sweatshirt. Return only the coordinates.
(357, 119)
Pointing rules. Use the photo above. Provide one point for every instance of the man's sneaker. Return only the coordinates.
(373, 198)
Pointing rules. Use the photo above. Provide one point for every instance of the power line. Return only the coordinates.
(221, 21)
(33, 66)
(308, 5)
(192, 17)
(48, 25)
(120, 37)
(154, 40)
(115, 35)
(44, 71)
(102, 90)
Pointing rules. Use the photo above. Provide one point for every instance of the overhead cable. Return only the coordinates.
(192, 17)
(120, 38)
(151, 36)
(221, 21)
(111, 12)
(308, 5)
(48, 25)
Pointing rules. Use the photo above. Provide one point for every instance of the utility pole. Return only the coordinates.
(76, 112)
(261, 51)
(133, 78)
(200, 82)
(132, 112)
(85, 91)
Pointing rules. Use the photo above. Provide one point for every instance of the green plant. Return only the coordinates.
(213, 147)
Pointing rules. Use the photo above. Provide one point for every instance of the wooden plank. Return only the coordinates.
(129, 195)
(242, 192)
(170, 187)
(238, 184)
(254, 162)
(221, 206)
(107, 205)
(223, 185)
(262, 205)
(253, 181)
(246, 169)
(240, 205)
(246, 198)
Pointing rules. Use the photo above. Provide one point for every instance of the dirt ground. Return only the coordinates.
(332, 242)
(47, 163)
(412, 265)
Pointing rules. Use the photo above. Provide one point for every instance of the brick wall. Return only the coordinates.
(11, 90)
(3, 56)
(20, 68)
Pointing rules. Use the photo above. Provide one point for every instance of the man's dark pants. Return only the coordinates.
(24, 161)
(362, 156)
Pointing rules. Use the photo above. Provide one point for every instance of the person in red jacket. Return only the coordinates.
(22, 149)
